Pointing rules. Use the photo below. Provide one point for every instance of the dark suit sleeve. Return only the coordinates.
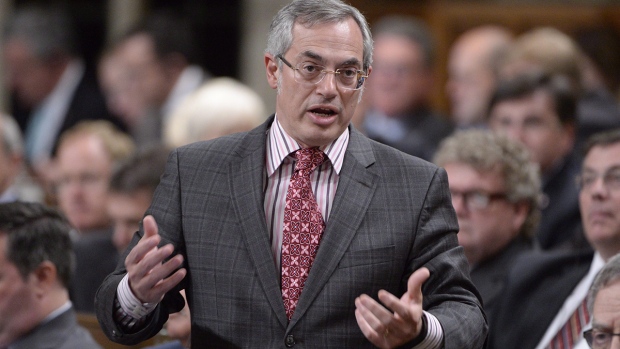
(448, 293)
(166, 208)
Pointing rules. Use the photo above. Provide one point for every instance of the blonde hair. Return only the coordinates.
(549, 50)
(117, 144)
(220, 107)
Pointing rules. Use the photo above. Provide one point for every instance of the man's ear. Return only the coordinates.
(522, 210)
(44, 278)
(271, 67)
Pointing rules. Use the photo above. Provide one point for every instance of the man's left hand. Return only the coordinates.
(399, 321)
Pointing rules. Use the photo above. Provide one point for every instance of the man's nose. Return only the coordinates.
(328, 85)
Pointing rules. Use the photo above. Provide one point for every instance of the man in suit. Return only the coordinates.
(51, 85)
(546, 291)
(387, 271)
(549, 50)
(495, 190)
(36, 264)
(399, 108)
(538, 110)
(158, 57)
(87, 155)
(472, 73)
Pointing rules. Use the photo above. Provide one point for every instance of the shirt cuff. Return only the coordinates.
(130, 304)
(434, 333)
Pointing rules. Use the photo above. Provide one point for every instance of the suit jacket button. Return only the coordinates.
(289, 341)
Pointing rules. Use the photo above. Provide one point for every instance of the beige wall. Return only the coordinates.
(257, 16)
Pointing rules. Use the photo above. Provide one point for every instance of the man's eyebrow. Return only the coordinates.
(313, 55)
(352, 61)
(316, 56)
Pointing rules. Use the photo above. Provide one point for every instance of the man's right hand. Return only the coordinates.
(149, 276)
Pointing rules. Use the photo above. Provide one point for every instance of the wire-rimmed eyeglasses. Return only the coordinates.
(310, 73)
(611, 179)
(599, 339)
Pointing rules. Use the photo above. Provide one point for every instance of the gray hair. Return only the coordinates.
(310, 13)
(47, 31)
(485, 151)
(413, 29)
(11, 136)
(606, 276)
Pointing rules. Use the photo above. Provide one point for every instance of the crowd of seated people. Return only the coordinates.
(531, 146)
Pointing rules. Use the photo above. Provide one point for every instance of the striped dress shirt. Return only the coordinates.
(280, 165)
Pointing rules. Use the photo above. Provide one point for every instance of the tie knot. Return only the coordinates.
(308, 159)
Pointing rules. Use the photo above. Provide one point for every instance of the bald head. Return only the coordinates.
(472, 72)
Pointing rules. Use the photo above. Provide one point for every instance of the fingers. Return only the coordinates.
(372, 327)
(400, 320)
(149, 276)
(150, 226)
(376, 315)
(414, 284)
(157, 292)
(147, 243)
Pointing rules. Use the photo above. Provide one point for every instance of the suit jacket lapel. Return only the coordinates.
(356, 187)
(246, 183)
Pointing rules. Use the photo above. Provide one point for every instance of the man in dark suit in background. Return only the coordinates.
(87, 155)
(547, 291)
(539, 110)
(36, 264)
(157, 56)
(387, 270)
(399, 107)
(51, 85)
(495, 190)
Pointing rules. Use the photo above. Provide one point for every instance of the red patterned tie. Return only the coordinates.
(570, 333)
(303, 227)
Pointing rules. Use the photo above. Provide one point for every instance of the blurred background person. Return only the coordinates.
(547, 290)
(87, 155)
(131, 191)
(219, 107)
(52, 88)
(472, 73)
(36, 265)
(550, 51)
(399, 90)
(15, 183)
(158, 54)
(495, 191)
(604, 305)
(120, 87)
(539, 111)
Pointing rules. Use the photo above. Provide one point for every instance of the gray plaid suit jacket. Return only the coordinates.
(392, 214)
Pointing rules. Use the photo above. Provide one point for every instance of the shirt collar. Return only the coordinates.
(280, 145)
